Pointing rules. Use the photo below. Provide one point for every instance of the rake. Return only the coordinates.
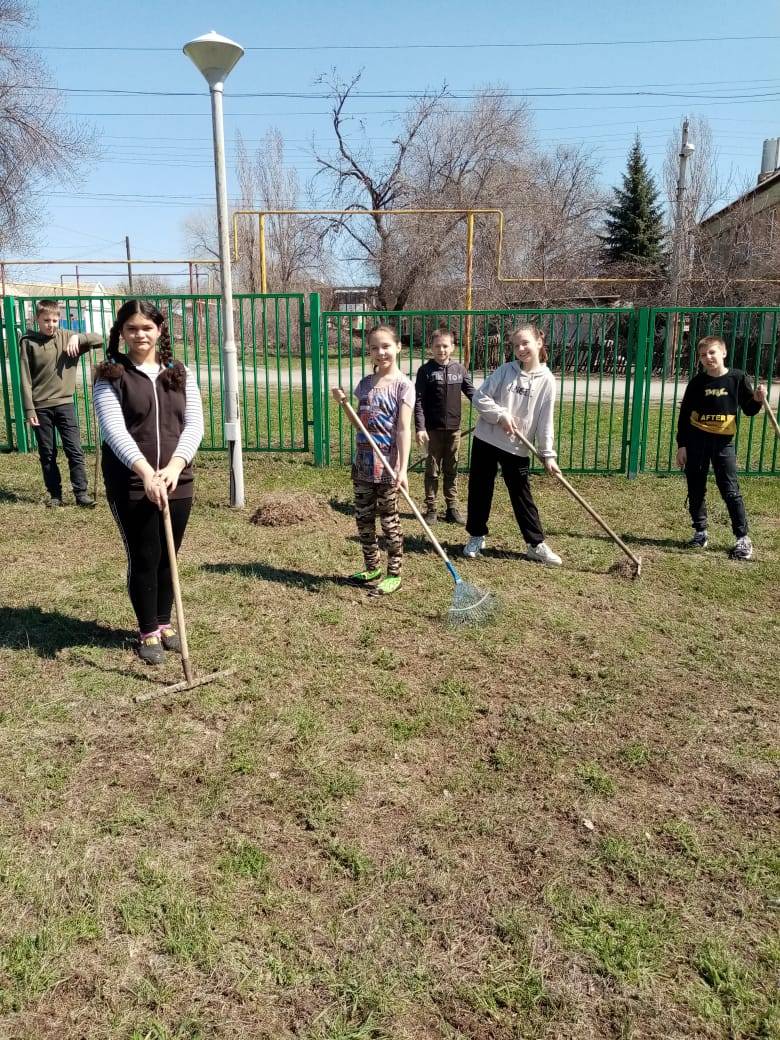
(771, 415)
(470, 605)
(632, 566)
(190, 681)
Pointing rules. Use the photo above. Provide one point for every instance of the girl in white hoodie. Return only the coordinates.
(518, 397)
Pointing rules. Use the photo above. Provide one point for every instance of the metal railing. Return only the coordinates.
(274, 369)
(620, 372)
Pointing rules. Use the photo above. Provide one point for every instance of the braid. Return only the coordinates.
(174, 374)
(164, 346)
(113, 342)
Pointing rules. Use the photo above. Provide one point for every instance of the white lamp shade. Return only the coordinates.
(214, 56)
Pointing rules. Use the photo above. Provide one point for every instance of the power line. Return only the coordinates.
(539, 108)
(425, 46)
(406, 95)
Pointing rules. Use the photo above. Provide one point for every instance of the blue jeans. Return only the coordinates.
(62, 418)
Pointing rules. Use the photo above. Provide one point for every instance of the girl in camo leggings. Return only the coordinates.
(385, 402)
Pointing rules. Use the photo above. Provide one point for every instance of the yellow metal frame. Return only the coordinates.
(468, 213)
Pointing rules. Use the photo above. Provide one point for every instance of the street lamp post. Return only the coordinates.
(215, 56)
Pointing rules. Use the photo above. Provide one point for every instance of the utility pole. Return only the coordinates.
(678, 248)
(129, 265)
(678, 252)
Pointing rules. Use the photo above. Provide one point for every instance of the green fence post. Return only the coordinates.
(638, 392)
(12, 343)
(315, 324)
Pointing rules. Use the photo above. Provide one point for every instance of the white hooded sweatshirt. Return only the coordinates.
(526, 397)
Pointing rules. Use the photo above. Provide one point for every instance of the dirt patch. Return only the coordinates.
(287, 509)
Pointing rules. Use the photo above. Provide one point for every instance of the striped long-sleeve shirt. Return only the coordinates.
(114, 431)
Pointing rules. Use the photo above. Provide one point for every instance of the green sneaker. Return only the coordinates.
(392, 583)
(363, 577)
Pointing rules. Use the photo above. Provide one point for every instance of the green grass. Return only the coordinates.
(376, 828)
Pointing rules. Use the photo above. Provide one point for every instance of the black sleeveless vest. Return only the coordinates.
(154, 416)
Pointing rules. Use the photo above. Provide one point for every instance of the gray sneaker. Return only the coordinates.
(53, 503)
(699, 540)
(743, 550)
(474, 546)
(150, 649)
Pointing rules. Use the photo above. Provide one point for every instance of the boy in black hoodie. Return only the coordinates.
(437, 412)
(705, 432)
(49, 361)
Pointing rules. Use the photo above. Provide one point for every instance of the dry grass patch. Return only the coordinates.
(376, 829)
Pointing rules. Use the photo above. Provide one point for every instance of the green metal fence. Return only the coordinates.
(591, 352)
(273, 365)
(620, 372)
(7, 440)
(751, 335)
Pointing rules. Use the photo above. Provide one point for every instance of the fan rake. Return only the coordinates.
(470, 605)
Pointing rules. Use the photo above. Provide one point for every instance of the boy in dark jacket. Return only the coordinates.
(49, 364)
(705, 432)
(437, 411)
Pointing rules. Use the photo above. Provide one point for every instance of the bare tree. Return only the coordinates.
(145, 285)
(361, 183)
(37, 142)
(447, 158)
(294, 245)
(705, 188)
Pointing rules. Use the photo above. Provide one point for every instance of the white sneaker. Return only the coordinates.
(743, 550)
(542, 553)
(474, 546)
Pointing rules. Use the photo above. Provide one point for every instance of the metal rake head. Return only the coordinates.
(471, 605)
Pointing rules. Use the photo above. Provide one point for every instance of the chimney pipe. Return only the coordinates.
(770, 158)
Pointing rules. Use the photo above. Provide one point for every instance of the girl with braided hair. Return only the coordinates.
(151, 423)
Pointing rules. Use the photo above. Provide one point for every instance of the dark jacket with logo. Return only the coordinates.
(710, 405)
(437, 389)
(154, 415)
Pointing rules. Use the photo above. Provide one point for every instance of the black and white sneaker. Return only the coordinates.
(699, 540)
(743, 550)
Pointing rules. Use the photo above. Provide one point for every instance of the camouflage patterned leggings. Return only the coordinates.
(370, 500)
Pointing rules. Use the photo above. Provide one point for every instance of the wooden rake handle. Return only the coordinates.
(354, 418)
(185, 652)
(772, 416)
(586, 506)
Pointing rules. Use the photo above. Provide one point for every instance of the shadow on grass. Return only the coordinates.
(48, 631)
(11, 497)
(340, 505)
(629, 539)
(284, 575)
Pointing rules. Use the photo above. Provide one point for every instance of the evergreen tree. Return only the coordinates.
(634, 224)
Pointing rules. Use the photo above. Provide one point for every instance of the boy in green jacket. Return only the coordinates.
(49, 363)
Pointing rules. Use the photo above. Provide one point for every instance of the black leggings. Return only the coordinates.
(485, 460)
(148, 570)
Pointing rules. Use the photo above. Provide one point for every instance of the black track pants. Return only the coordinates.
(148, 570)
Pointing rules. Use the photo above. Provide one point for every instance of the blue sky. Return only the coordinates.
(157, 167)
